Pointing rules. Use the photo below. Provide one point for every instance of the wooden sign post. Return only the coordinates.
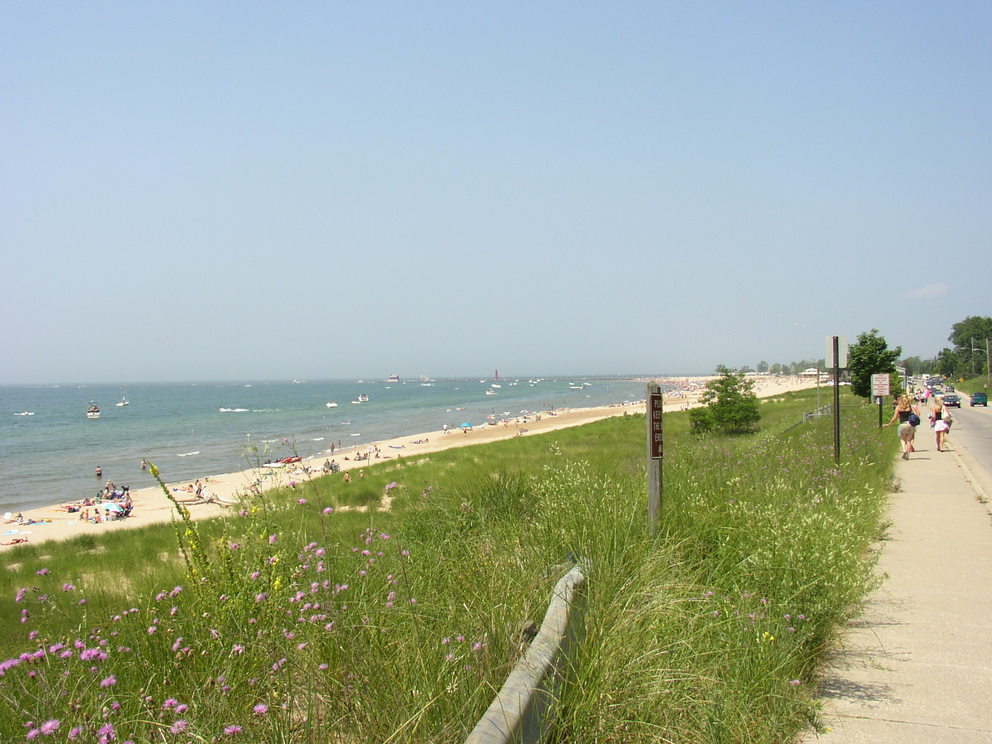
(656, 453)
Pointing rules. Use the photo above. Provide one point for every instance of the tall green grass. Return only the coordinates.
(300, 619)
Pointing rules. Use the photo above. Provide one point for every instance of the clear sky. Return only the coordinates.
(253, 190)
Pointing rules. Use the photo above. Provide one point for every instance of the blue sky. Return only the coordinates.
(234, 190)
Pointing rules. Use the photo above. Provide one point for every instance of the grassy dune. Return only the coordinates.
(317, 615)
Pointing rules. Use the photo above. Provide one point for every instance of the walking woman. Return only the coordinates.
(940, 420)
(906, 412)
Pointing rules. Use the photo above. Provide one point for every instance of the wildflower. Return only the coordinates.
(108, 681)
(20, 594)
(182, 708)
(328, 510)
(232, 730)
(170, 703)
(68, 587)
(74, 732)
(272, 539)
(179, 726)
(33, 733)
(42, 572)
(300, 501)
(261, 709)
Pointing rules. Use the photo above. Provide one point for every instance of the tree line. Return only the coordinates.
(968, 357)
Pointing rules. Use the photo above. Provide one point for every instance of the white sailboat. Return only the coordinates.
(123, 401)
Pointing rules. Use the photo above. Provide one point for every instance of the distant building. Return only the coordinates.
(809, 372)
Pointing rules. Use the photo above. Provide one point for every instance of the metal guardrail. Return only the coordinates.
(523, 711)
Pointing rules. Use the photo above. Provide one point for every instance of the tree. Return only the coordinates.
(914, 365)
(871, 355)
(731, 405)
(948, 363)
(968, 337)
(762, 367)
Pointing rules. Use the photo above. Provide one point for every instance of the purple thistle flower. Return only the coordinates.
(179, 726)
(108, 681)
(232, 730)
(49, 727)
(42, 572)
(261, 709)
(170, 703)
(74, 732)
(33, 733)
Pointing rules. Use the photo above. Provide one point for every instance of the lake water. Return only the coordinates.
(192, 430)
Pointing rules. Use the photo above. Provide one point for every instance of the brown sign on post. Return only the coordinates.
(656, 450)
(657, 444)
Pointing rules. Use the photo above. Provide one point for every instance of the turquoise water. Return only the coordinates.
(50, 456)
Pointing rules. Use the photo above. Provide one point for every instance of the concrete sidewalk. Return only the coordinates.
(917, 665)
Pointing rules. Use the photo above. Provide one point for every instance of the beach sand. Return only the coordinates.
(151, 505)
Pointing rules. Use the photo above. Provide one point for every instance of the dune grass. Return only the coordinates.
(302, 620)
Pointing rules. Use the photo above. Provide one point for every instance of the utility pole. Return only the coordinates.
(988, 368)
(835, 341)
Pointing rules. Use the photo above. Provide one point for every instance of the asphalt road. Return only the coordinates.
(971, 437)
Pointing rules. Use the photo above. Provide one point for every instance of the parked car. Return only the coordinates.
(979, 399)
(951, 401)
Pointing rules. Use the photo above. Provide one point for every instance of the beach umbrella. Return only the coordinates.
(465, 425)
(111, 506)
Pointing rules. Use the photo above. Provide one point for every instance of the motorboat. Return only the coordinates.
(331, 404)
(93, 411)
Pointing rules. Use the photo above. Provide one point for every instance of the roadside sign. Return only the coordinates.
(841, 352)
(880, 385)
(656, 445)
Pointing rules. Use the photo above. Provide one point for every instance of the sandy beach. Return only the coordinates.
(221, 492)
